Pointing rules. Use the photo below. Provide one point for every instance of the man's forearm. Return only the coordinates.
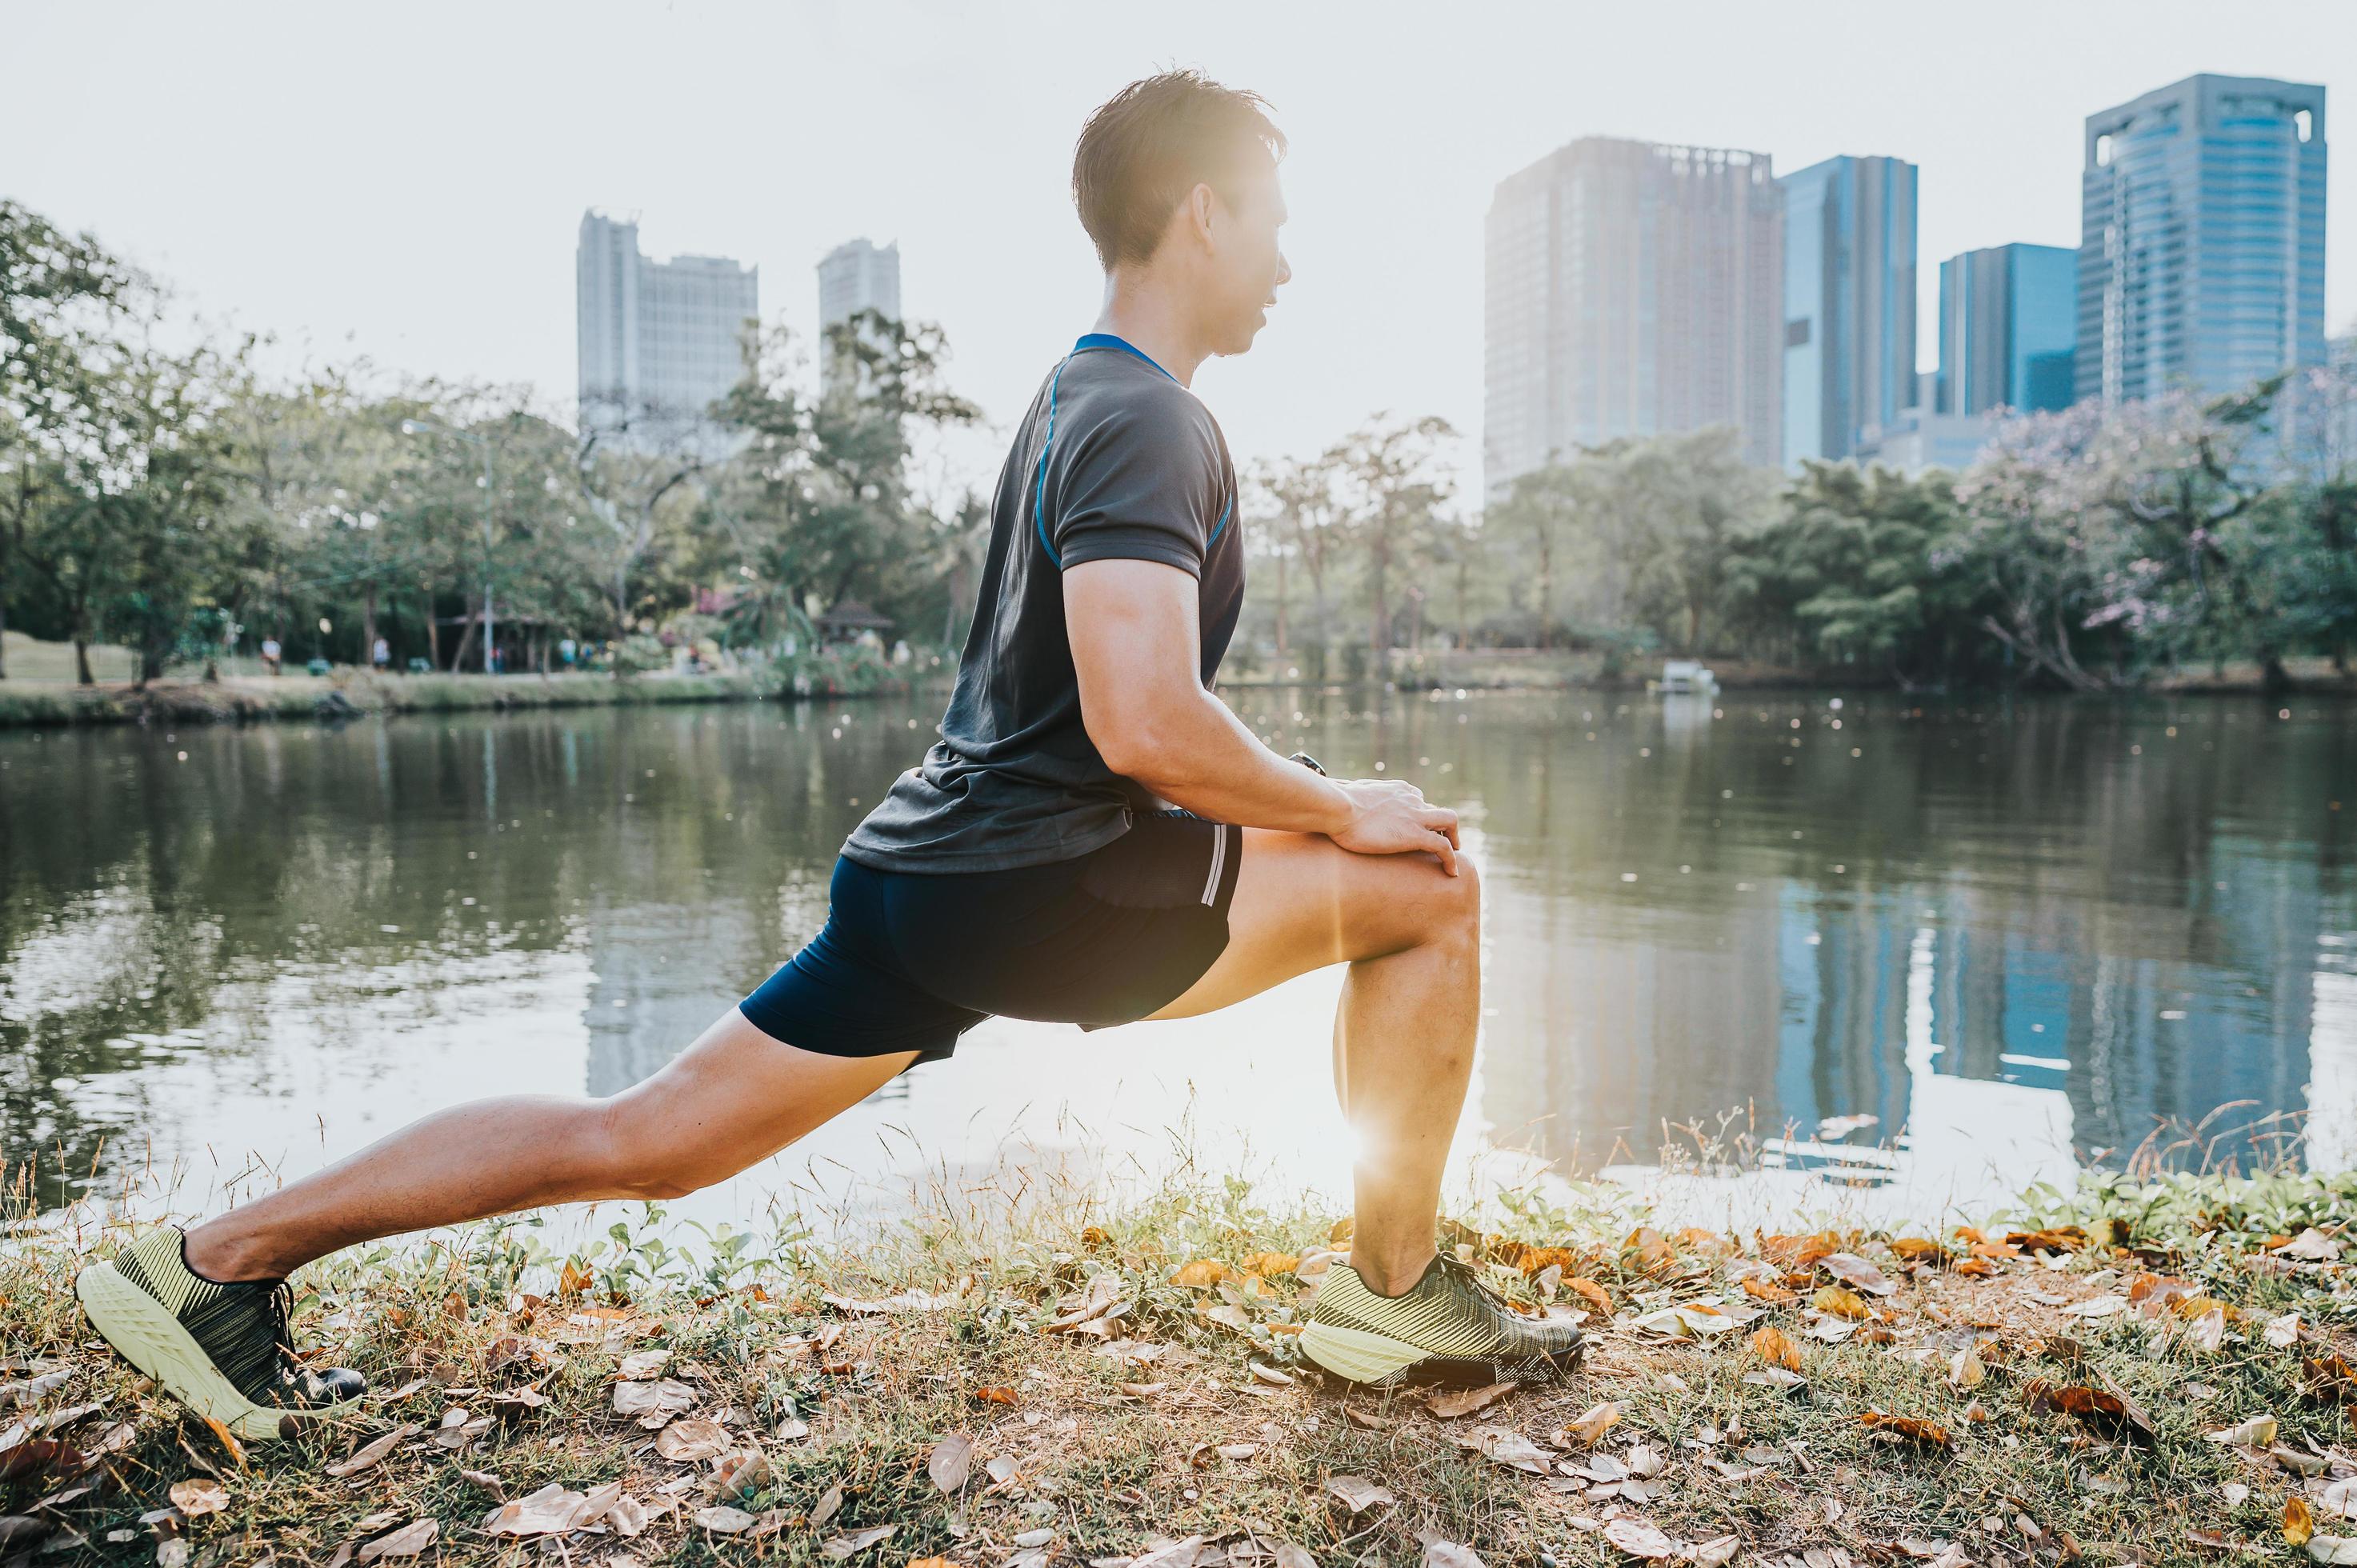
(1206, 760)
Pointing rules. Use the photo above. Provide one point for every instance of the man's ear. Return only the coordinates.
(1202, 205)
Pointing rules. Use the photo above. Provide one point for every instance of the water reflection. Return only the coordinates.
(2015, 937)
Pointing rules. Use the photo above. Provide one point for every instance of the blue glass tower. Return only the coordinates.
(2009, 327)
(1849, 303)
(2202, 238)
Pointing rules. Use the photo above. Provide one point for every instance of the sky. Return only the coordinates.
(406, 182)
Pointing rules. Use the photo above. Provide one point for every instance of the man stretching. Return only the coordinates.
(1095, 840)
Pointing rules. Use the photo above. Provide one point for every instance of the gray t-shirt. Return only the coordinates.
(1115, 460)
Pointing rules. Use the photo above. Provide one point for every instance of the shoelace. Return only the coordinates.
(1465, 1275)
(280, 1305)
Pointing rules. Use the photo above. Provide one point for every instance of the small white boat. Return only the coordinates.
(1686, 676)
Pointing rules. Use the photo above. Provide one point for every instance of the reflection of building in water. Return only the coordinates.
(1987, 1027)
(663, 972)
(1619, 1014)
(2333, 1057)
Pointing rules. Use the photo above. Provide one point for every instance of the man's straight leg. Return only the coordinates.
(733, 1097)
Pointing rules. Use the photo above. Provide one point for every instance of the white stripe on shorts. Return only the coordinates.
(1219, 859)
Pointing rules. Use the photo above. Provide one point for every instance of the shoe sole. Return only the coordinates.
(144, 1333)
(1366, 1359)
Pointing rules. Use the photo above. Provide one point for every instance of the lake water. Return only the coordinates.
(2017, 936)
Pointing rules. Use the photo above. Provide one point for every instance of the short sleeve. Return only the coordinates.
(1141, 485)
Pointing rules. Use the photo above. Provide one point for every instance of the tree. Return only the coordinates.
(1390, 484)
(60, 295)
(817, 503)
(1540, 510)
(1845, 573)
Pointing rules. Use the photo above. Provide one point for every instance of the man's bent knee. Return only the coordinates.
(1452, 905)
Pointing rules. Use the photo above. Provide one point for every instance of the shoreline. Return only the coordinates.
(2135, 1371)
(349, 694)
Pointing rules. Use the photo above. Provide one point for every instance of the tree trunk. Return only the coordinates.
(368, 626)
(466, 645)
(433, 633)
(1546, 592)
(1280, 605)
(3, 639)
(81, 662)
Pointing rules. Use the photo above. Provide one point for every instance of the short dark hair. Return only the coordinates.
(1152, 142)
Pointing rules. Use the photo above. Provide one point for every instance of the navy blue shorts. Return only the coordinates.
(909, 961)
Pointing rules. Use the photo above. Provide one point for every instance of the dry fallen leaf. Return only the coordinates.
(1964, 1369)
(829, 1504)
(1200, 1275)
(1368, 1419)
(996, 1394)
(838, 1546)
(1841, 1302)
(1465, 1402)
(407, 1542)
(2338, 1549)
(1439, 1553)
(2209, 1332)
(1928, 1433)
(1359, 1494)
(1592, 1423)
(1289, 1555)
(1716, 1552)
(693, 1441)
(2256, 1432)
(640, 1365)
(198, 1496)
(950, 1461)
(2282, 1333)
(1638, 1538)
(552, 1510)
(1776, 1347)
(376, 1451)
(2107, 1411)
(669, 1395)
(1856, 1273)
(2298, 1520)
(722, 1519)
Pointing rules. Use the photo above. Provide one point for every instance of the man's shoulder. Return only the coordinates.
(1117, 406)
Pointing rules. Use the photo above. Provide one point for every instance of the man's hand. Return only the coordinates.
(1388, 816)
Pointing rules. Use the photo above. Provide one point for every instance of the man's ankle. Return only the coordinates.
(213, 1251)
(1392, 1276)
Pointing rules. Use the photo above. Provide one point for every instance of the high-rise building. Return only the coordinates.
(660, 341)
(1632, 289)
(2009, 328)
(856, 275)
(2202, 238)
(1849, 303)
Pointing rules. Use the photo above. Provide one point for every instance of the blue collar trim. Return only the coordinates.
(1107, 340)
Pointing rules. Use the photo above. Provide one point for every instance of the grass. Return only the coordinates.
(29, 701)
(1183, 1409)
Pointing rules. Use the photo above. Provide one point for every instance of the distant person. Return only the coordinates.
(270, 656)
(565, 648)
(381, 656)
(1034, 866)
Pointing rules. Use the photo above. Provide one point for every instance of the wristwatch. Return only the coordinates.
(1307, 761)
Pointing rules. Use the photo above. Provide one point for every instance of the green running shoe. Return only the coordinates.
(1447, 1329)
(223, 1351)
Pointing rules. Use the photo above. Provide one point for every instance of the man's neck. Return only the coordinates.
(1149, 320)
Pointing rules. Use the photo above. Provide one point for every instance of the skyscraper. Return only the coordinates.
(2009, 324)
(1849, 303)
(660, 341)
(1632, 289)
(2202, 238)
(855, 275)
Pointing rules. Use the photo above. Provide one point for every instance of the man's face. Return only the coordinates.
(1243, 265)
